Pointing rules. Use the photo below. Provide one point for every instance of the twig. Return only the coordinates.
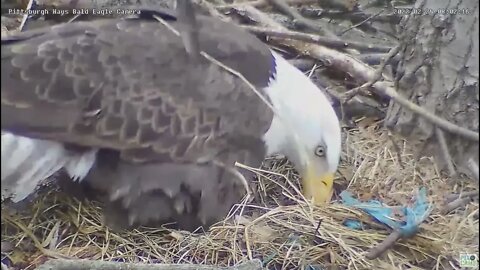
(377, 58)
(445, 151)
(61, 264)
(316, 238)
(212, 9)
(460, 202)
(34, 239)
(316, 39)
(299, 19)
(453, 197)
(237, 174)
(262, 98)
(375, 77)
(26, 15)
(397, 234)
(355, 16)
(293, 132)
(473, 167)
(432, 118)
(74, 18)
(192, 43)
(189, 28)
(263, 3)
(362, 22)
(388, 242)
(396, 148)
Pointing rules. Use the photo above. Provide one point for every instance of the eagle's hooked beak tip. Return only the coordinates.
(318, 187)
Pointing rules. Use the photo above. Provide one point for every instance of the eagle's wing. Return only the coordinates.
(28, 163)
(189, 195)
(129, 85)
(129, 88)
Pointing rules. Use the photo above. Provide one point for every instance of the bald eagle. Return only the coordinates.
(118, 104)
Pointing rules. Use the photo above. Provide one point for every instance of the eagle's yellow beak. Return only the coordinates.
(318, 186)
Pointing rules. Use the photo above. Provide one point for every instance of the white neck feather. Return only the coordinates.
(305, 107)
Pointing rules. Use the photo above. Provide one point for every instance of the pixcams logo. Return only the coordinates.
(468, 260)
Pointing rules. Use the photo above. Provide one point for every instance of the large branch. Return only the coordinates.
(299, 19)
(361, 73)
(312, 38)
(61, 264)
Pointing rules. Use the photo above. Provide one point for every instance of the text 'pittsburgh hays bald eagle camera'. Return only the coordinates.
(119, 104)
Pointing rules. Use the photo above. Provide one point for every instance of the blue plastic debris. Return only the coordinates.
(353, 224)
(385, 214)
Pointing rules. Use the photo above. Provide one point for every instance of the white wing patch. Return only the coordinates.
(27, 163)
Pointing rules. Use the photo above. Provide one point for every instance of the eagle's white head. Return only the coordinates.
(306, 131)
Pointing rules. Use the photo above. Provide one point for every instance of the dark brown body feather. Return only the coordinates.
(128, 87)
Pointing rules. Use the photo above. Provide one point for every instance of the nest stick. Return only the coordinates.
(304, 22)
(453, 197)
(376, 76)
(298, 18)
(316, 39)
(429, 116)
(378, 250)
(362, 22)
(189, 28)
(263, 3)
(61, 264)
(461, 201)
(25, 16)
(365, 73)
(446, 153)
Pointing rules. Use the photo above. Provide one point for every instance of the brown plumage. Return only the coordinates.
(160, 121)
(157, 129)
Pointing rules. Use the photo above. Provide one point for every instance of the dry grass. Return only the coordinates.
(277, 226)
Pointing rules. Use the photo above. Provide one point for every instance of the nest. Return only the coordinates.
(277, 226)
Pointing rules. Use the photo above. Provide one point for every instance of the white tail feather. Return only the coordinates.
(27, 163)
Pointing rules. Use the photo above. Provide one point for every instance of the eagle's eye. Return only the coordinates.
(320, 151)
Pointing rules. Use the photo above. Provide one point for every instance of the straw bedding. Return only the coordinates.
(276, 225)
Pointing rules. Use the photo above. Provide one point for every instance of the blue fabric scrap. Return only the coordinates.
(353, 224)
(414, 215)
